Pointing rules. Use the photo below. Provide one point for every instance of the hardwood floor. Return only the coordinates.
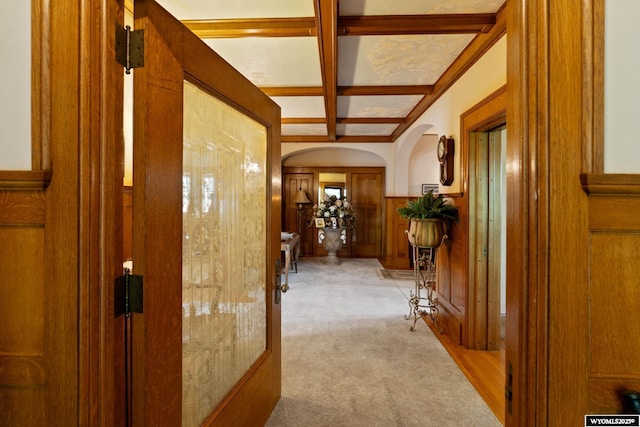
(485, 370)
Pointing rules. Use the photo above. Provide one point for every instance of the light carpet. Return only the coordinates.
(349, 358)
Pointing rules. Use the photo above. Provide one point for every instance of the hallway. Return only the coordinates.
(349, 358)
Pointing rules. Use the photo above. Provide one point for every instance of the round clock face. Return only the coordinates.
(441, 149)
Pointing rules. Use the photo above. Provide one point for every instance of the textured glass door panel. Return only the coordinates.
(224, 244)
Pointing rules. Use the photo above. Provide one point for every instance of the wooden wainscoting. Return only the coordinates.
(396, 244)
(22, 297)
(614, 294)
(452, 271)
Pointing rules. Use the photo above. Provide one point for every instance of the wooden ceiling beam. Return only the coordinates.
(415, 24)
(350, 90)
(294, 91)
(346, 25)
(303, 120)
(342, 120)
(342, 138)
(326, 28)
(371, 120)
(255, 27)
(385, 90)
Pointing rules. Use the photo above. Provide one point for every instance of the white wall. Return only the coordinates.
(423, 167)
(331, 156)
(443, 118)
(15, 86)
(622, 91)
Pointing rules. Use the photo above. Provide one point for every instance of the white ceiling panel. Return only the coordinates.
(219, 9)
(376, 106)
(371, 129)
(301, 106)
(303, 129)
(385, 53)
(397, 60)
(278, 61)
(417, 7)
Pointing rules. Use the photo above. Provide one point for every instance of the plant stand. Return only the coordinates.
(422, 301)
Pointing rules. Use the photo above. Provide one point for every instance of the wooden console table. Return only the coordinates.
(291, 248)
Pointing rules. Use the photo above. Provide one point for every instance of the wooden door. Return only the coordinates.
(485, 183)
(366, 195)
(206, 227)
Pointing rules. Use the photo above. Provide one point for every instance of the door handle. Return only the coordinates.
(280, 288)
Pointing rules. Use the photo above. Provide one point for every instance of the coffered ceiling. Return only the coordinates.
(347, 70)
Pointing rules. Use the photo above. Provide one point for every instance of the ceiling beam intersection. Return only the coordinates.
(344, 25)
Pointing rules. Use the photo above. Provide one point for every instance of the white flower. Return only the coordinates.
(335, 211)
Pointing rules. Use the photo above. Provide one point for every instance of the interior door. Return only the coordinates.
(206, 235)
(367, 198)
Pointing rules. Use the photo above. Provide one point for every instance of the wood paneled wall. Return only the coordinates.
(453, 274)
(60, 227)
(451, 270)
(365, 191)
(396, 245)
(22, 298)
(613, 293)
(572, 233)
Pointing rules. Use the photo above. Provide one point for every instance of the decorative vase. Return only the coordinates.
(426, 232)
(332, 240)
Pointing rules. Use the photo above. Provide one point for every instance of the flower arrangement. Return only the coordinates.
(334, 212)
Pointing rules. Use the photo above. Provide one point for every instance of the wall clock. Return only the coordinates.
(445, 157)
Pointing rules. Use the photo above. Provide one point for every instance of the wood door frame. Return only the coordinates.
(488, 114)
(77, 140)
(528, 115)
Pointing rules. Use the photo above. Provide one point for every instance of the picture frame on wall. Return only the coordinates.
(427, 187)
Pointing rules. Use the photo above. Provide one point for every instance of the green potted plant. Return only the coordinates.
(427, 215)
